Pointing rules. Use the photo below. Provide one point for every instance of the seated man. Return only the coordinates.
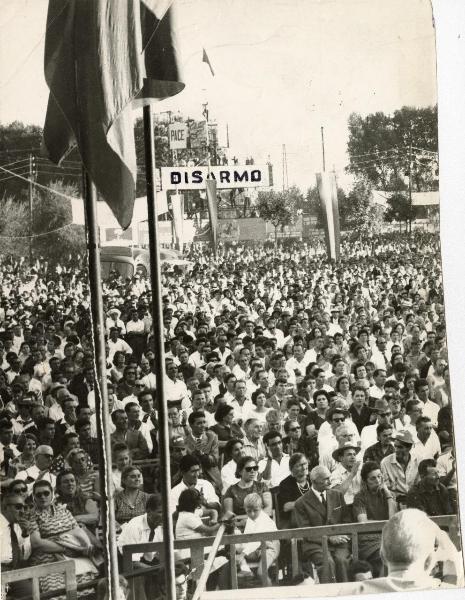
(317, 507)
(411, 547)
(429, 495)
(190, 468)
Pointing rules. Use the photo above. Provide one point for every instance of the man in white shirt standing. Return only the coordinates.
(275, 467)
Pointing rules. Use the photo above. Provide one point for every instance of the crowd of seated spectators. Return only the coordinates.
(300, 393)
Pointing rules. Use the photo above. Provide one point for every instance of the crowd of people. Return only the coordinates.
(300, 393)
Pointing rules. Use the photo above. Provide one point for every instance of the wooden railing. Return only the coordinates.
(197, 545)
(65, 566)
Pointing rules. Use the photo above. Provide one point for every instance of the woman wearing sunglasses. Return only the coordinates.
(55, 535)
(247, 472)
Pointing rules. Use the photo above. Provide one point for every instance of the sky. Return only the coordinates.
(283, 69)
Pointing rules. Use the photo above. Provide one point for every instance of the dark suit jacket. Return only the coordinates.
(310, 512)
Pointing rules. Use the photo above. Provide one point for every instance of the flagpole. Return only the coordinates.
(101, 393)
(157, 316)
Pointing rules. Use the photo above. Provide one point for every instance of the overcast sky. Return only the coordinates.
(282, 70)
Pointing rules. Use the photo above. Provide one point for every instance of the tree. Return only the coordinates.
(52, 213)
(362, 214)
(13, 216)
(384, 148)
(279, 208)
(399, 208)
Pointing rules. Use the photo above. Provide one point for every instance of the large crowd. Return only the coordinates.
(300, 393)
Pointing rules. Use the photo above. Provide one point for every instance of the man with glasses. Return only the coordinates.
(15, 542)
(275, 467)
(43, 458)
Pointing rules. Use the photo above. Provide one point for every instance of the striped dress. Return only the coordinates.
(50, 522)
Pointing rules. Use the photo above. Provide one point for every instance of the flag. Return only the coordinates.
(327, 190)
(103, 58)
(212, 211)
(205, 59)
(177, 202)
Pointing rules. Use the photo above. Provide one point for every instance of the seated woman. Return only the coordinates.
(27, 444)
(374, 502)
(293, 487)
(257, 522)
(247, 472)
(225, 429)
(55, 535)
(131, 500)
(191, 525)
(260, 410)
(84, 509)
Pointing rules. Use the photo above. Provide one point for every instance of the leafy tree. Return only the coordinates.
(13, 217)
(383, 148)
(399, 208)
(52, 213)
(361, 213)
(279, 208)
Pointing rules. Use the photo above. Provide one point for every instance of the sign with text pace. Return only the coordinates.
(177, 134)
(226, 176)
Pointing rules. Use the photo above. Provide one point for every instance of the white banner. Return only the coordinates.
(192, 178)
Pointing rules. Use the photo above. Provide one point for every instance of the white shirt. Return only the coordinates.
(6, 552)
(202, 486)
(339, 475)
(279, 471)
(228, 475)
(149, 380)
(243, 412)
(431, 449)
(137, 531)
(33, 472)
(444, 464)
(175, 391)
(431, 409)
(261, 524)
(118, 346)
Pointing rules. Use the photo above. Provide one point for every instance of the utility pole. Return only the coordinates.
(31, 198)
(323, 147)
(285, 176)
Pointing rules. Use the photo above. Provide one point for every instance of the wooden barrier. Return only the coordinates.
(197, 545)
(65, 566)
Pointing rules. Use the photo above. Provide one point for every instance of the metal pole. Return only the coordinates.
(323, 147)
(157, 316)
(31, 197)
(410, 186)
(101, 394)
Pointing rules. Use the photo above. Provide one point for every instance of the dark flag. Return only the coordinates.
(206, 60)
(102, 59)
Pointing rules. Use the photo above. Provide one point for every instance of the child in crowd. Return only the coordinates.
(257, 522)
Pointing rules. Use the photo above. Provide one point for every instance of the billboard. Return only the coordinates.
(235, 176)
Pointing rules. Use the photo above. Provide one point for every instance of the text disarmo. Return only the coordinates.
(226, 176)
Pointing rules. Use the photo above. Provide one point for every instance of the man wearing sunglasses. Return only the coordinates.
(15, 543)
